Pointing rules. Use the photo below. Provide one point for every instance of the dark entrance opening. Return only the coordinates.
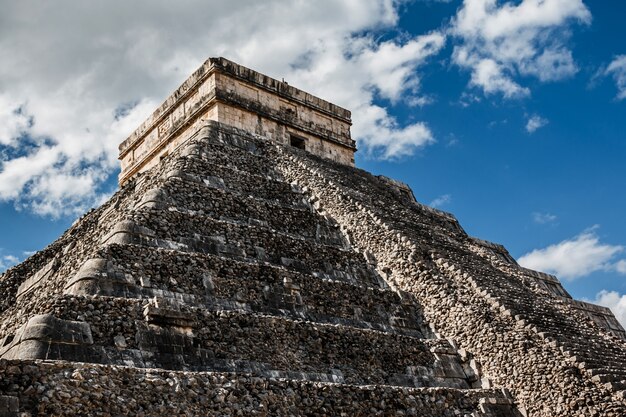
(297, 142)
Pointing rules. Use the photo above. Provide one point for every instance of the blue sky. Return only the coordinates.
(510, 115)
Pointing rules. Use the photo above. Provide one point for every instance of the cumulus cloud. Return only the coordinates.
(7, 261)
(575, 257)
(78, 77)
(354, 72)
(535, 122)
(13, 121)
(442, 200)
(617, 69)
(615, 301)
(499, 42)
(543, 218)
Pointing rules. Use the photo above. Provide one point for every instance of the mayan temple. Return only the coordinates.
(245, 267)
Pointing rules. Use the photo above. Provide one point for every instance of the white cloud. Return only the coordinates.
(69, 67)
(573, 258)
(614, 301)
(500, 42)
(490, 76)
(7, 261)
(620, 266)
(535, 122)
(543, 218)
(13, 121)
(420, 101)
(368, 70)
(617, 69)
(467, 99)
(550, 65)
(442, 200)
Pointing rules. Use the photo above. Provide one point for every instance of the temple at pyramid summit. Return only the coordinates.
(245, 267)
(231, 94)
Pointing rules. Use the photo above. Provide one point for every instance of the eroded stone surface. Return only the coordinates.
(229, 93)
(239, 276)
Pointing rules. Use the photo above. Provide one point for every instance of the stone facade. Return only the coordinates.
(226, 92)
(241, 275)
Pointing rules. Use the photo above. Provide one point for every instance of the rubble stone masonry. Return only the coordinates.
(235, 273)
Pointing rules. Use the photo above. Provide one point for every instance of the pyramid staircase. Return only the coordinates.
(212, 285)
(553, 358)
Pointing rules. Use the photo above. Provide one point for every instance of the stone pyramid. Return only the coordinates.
(245, 269)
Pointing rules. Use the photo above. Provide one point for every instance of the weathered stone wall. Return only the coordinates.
(229, 93)
(123, 331)
(249, 286)
(237, 254)
(188, 267)
(545, 284)
(524, 342)
(155, 146)
(319, 134)
(63, 389)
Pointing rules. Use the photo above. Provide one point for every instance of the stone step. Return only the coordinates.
(164, 334)
(612, 366)
(249, 158)
(87, 389)
(203, 234)
(588, 349)
(609, 357)
(222, 283)
(246, 185)
(32, 280)
(374, 192)
(419, 219)
(506, 292)
(248, 232)
(614, 377)
(296, 219)
(618, 384)
(267, 186)
(559, 328)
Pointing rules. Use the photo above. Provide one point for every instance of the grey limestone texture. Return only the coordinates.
(229, 93)
(241, 276)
